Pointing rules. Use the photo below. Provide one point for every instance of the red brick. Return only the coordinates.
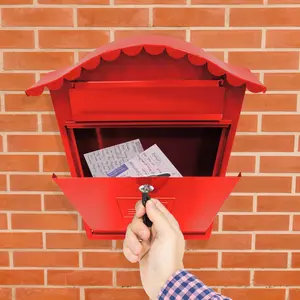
(282, 81)
(69, 39)
(5, 294)
(120, 34)
(283, 1)
(223, 2)
(128, 278)
(46, 259)
(282, 38)
(77, 2)
(298, 184)
(115, 294)
(15, 39)
(278, 241)
(296, 225)
(280, 164)
(37, 17)
(79, 277)
(270, 102)
(281, 123)
(278, 278)
(296, 260)
(264, 184)
(55, 163)
(265, 60)
(45, 221)
(75, 241)
(20, 202)
(255, 223)
(20, 102)
(254, 293)
(3, 221)
(247, 123)
(200, 260)
(20, 240)
(222, 242)
(26, 163)
(115, 17)
(18, 122)
(241, 164)
(238, 203)
(57, 203)
(4, 261)
(36, 183)
(35, 143)
(49, 123)
(1, 143)
(22, 277)
(263, 143)
(37, 60)
(265, 16)
(278, 203)
(184, 17)
(16, 81)
(150, 2)
(254, 260)
(224, 278)
(47, 294)
(106, 260)
(294, 294)
(15, 2)
(226, 38)
(2, 183)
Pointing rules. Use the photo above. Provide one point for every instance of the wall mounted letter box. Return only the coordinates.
(162, 91)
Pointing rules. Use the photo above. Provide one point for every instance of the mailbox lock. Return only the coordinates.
(145, 189)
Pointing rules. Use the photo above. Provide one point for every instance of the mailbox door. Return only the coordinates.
(107, 204)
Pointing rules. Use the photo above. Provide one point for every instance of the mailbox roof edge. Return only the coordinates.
(153, 45)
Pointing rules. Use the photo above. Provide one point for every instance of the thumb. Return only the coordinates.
(157, 217)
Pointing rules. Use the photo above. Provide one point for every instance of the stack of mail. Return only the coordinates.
(129, 160)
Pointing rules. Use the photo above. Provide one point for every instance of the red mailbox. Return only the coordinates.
(163, 91)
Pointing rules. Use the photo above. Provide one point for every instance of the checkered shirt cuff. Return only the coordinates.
(184, 286)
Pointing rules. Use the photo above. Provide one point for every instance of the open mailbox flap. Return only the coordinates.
(107, 204)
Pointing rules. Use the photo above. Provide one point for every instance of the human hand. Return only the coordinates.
(159, 249)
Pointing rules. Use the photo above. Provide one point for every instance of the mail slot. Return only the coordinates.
(162, 91)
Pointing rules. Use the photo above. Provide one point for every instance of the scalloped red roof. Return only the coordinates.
(153, 45)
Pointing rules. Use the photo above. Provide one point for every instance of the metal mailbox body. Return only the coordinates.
(161, 90)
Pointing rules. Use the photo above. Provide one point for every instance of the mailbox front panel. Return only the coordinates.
(107, 204)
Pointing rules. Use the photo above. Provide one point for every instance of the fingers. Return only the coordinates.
(167, 214)
(132, 242)
(140, 209)
(133, 258)
(132, 248)
(157, 217)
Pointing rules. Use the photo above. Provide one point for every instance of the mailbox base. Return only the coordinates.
(94, 235)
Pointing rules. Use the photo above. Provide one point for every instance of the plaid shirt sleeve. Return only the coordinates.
(185, 286)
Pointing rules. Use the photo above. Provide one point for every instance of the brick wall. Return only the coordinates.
(254, 252)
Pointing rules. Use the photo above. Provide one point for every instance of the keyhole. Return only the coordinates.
(146, 188)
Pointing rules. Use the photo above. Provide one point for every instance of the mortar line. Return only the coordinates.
(219, 266)
(188, 35)
(111, 35)
(227, 17)
(2, 104)
(289, 260)
(151, 16)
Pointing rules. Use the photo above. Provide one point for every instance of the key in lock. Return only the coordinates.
(145, 189)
